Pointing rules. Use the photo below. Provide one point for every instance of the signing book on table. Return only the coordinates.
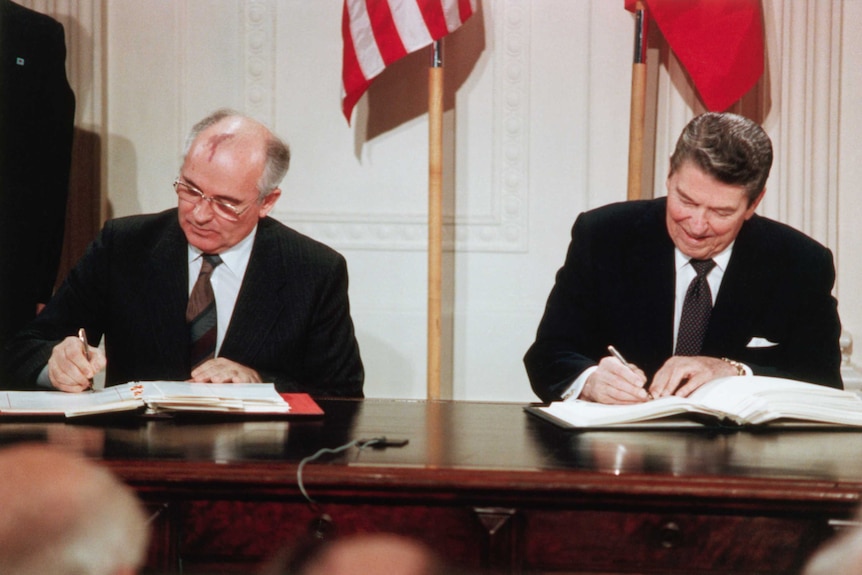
(730, 401)
(156, 396)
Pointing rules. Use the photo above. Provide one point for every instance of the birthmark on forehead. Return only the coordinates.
(214, 142)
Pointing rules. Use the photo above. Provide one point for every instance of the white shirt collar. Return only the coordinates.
(235, 258)
(721, 259)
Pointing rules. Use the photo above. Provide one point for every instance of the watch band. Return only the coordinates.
(740, 369)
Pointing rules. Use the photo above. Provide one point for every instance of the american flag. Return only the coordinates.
(378, 32)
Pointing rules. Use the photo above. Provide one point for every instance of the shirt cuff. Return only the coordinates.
(42, 380)
(574, 390)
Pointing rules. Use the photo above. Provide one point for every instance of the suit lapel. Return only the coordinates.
(259, 302)
(652, 285)
(167, 261)
(743, 288)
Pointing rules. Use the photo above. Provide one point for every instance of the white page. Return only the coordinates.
(55, 402)
(191, 396)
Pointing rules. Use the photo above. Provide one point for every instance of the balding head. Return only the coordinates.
(62, 514)
(244, 139)
(234, 163)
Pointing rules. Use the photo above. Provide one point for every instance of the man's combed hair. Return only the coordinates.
(731, 148)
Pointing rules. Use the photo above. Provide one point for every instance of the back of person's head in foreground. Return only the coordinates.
(362, 554)
(61, 514)
(841, 555)
(730, 148)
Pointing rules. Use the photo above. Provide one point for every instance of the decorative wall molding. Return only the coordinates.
(260, 61)
(499, 224)
(506, 229)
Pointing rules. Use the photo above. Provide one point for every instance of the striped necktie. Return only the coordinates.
(696, 309)
(201, 313)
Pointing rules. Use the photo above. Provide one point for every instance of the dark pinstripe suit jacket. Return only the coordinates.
(617, 288)
(291, 321)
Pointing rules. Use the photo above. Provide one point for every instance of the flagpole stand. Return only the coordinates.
(435, 217)
(638, 105)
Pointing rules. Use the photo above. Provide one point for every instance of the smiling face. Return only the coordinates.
(225, 161)
(704, 215)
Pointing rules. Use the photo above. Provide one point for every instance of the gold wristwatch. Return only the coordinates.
(740, 369)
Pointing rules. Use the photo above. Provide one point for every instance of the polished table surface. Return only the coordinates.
(481, 454)
(455, 435)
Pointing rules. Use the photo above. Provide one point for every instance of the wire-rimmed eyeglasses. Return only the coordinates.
(223, 208)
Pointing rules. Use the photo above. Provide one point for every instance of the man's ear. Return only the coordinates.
(268, 202)
(753, 205)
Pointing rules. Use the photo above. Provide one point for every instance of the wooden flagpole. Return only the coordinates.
(638, 104)
(435, 217)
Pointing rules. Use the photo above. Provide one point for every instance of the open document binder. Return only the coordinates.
(160, 397)
(730, 401)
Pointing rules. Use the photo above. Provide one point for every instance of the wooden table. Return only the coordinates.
(486, 484)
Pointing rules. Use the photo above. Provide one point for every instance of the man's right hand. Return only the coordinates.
(615, 382)
(68, 368)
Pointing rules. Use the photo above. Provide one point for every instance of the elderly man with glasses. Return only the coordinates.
(211, 291)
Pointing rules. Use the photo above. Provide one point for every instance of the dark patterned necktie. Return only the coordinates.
(201, 313)
(696, 310)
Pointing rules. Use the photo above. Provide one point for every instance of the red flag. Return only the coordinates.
(718, 42)
(378, 32)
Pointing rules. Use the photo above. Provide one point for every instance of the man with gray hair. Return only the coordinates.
(213, 291)
(658, 297)
(64, 515)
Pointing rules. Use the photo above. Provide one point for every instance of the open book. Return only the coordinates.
(158, 396)
(731, 401)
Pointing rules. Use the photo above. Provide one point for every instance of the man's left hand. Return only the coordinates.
(222, 370)
(681, 375)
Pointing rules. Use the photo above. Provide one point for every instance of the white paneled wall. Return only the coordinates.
(536, 131)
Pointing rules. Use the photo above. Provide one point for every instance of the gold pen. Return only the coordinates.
(82, 335)
(623, 361)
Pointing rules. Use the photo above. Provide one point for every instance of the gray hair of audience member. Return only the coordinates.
(731, 148)
(277, 152)
(61, 514)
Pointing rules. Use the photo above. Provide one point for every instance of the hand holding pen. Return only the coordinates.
(73, 363)
(82, 335)
(616, 381)
(623, 361)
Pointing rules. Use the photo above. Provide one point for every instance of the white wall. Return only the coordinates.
(536, 131)
(849, 182)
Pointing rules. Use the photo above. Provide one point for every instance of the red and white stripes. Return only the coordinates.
(376, 33)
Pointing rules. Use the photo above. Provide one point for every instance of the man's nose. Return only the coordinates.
(203, 211)
(699, 222)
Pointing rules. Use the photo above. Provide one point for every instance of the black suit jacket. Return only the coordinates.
(37, 112)
(617, 288)
(291, 321)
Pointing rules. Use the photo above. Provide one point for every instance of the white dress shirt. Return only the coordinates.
(226, 280)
